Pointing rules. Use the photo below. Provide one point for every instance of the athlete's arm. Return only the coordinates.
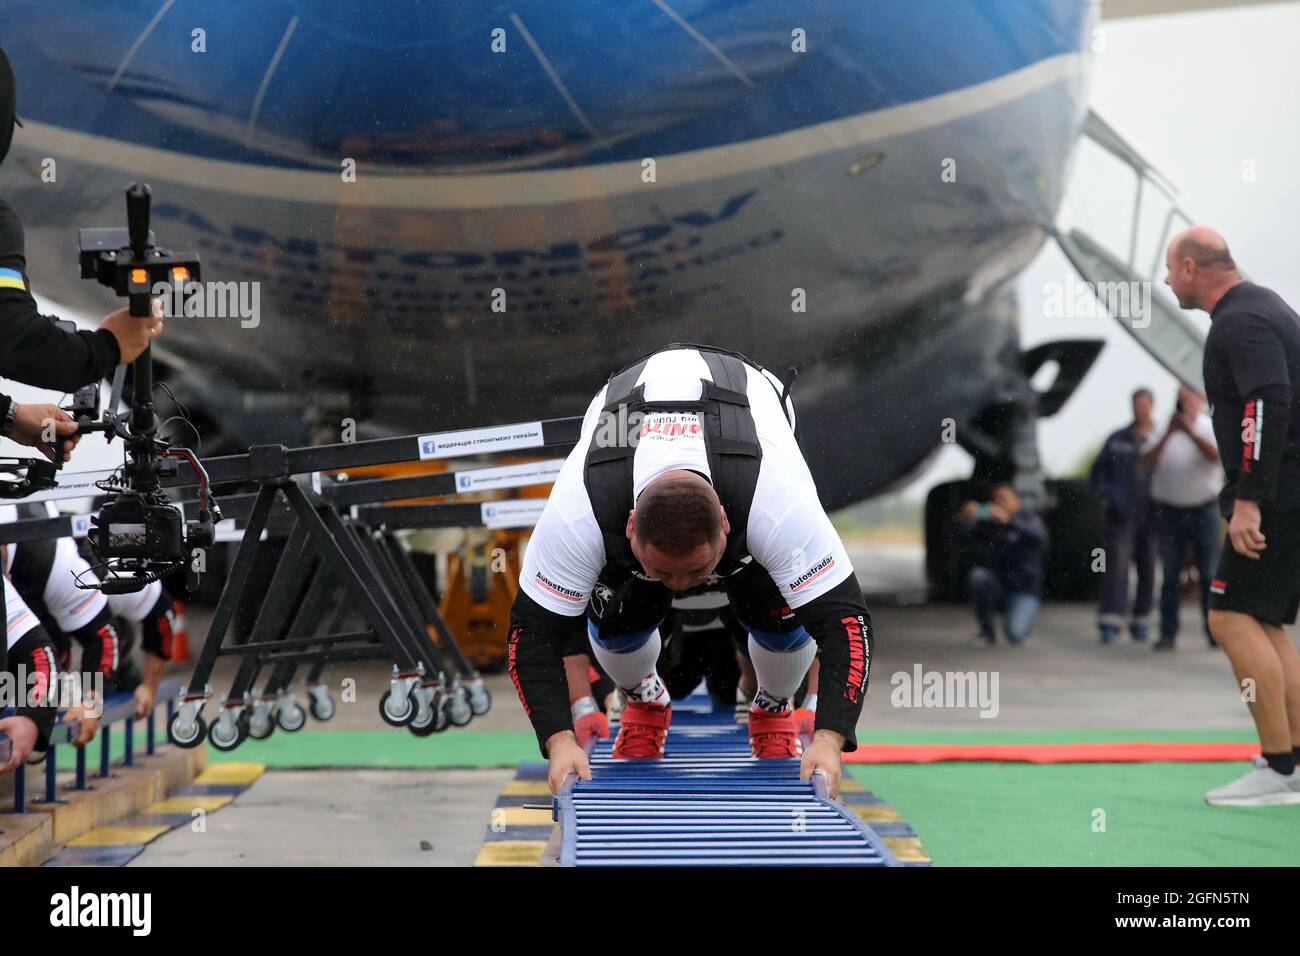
(31, 662)
(146, 692)
(840, 623)
(792, 537)
(539, 641)
(1257, 361)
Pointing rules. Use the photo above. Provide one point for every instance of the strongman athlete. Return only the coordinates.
(1252, 380)
(687, 475)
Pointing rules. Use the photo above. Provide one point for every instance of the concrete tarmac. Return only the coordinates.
(1061, 679)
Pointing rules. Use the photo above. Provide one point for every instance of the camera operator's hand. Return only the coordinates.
(999, 514)
(967, 512)
(33, 424)
(133, 334)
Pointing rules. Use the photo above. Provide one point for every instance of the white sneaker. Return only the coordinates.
(1262, 787)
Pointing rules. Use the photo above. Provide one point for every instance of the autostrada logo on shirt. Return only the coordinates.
(668, 426)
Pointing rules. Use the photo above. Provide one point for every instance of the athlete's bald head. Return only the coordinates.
(678, 529)
(1200, 267)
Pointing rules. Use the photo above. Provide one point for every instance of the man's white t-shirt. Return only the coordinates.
(1184, 477)
(19, 618)
(789, 534)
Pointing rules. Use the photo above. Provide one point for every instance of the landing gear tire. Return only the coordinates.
(946, 562)
(1075, 528)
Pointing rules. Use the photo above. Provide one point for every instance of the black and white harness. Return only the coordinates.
(730, 441)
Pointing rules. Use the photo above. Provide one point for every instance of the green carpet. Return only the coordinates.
(320, 747)
(967, 814)
(1010, 814)
(386, 748)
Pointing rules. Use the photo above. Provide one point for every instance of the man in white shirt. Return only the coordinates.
(686, 476)
(1185, 484)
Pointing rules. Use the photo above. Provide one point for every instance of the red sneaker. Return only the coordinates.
(805, 721)
(773, 735)
(590, 725)
(643, 728)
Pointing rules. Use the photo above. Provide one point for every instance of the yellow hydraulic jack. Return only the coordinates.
(482, 581)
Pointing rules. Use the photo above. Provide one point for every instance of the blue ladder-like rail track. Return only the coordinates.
(708, 803)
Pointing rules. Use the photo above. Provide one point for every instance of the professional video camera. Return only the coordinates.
(138, 534)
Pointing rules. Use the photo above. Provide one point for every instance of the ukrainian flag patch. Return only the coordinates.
(12, 279)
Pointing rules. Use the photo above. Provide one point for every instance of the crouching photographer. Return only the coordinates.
(1007, 543)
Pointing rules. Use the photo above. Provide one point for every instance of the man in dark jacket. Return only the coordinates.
(36, 351)
(1008, 574)
(1123, 481)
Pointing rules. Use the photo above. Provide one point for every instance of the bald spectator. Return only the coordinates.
(1252, 380)
(1185, 483)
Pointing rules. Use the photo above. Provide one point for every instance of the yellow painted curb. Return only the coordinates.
(119, 836)
(184, 804)
(231, 773)
(526, 788)
(511, 853)
(875, 812)
(908, 849)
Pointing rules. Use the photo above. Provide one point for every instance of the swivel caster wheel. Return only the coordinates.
(225, 735)
(441, 722)
(394, 711)
(260, 725)
(321, 705)
(187, 737)
(425, 727)
(480, 701)
(290, 716)
(459, 711)
(426, 703)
